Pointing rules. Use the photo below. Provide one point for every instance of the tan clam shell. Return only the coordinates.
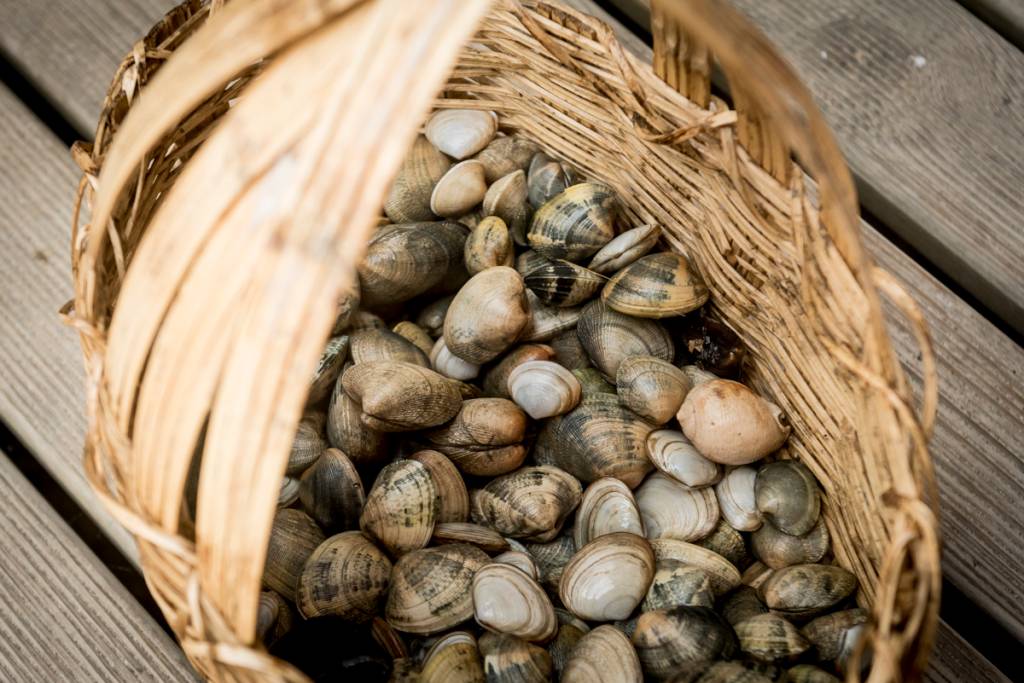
(697, 375)
(770, 638)
(603, 655)
(656, 286)
(735, 493)
(778, 549)
(551, 558)
(328, 368)
(574, 224)
(371, 345)
(506, 154)
(308, 444)
(543, 389)
(508, 659)
(488, 245)
(348, 304)
(788, 497)
(506, 201)
(289, 492)
(507, 600)
(607, 507)
(592, 382)
(723, 574)
(461, 133)
(728, 543)
(408, 198)
(486, 539)
(545, 179)
(431, 318)
(347, 432)
(496, 379)
(665, 640)
(569, 352)
(652, 388)
(484, 438)
(563, 283)
(454, 658)
(366, 320)
(396, 396)
(625, 249)
(677, 584)
(346, 576)
(401, 508)
(834, 634)
(547, 322)
(522, 560)
(673, 454)
(804, 590)
(730, 424)
(448, 364)
(415, 334)
(430, 588)
(601, 438)
(756, 574)
(721, 671)
(409, 260)
(293, 538)
(610, 337)
(607, 578)
(672, 510)
(332, 492)
(530, 503)
(453, 498)
(460, 189)
(808, 673)
(487, 315)
(741, 604)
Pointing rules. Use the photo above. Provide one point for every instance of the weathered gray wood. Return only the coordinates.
(52, 41)
(63, 615)
(1005, 16)
(955, 661)
(925, 100)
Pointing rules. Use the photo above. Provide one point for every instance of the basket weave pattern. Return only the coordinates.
(255, 215)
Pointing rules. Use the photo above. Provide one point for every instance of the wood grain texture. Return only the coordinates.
(955, 661)
(52, 41)
(63, 615)
(925, 101)
(1005, 16)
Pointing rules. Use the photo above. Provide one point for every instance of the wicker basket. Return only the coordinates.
(206, 330)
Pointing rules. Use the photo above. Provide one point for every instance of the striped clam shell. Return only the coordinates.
(611, 337)
(563, 283)
(656, 286)
(574, 224)
(671, 510)
(624, 249)
(430, 588)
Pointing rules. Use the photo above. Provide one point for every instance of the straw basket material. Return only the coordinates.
(239, 166)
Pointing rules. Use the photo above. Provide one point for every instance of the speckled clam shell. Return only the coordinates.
(488, 540)
(543, 389)
(656, 286)
(332, 493)
(770, 638)
(487, 315)
(551, 558)
(728, 543)
(506, 200)
(454, 658)
(571, 630)
(346, 576)
(483, 430)
(328, 368)
(607, 507)
(308, 444)
(547, 322)
(593, 382)
(384, 345)
(735, 494)
(461, 133)
(607, 578)
(460, 189)
(408, 260)
(723, 574)
(807, 589)
(673, 454)
(489, 244)
(651, 387)
(741, 604)
(676, 584)
(625, 249)
(610, 337)
(408, 198)
(563, 283)
(430, 588)
(293, 538)
(508, 659)
(530, 503)
(672, 510)
(522, 560)
(575, 224)
(834, 635)
(569, 352)
(397, 396)
(401, 508)
(453, 498)
(787, 495)
(496, 379)
(603, 655)
(667, 639)
(506, 154)
(347, 432)
(778, 549)
(507, 600)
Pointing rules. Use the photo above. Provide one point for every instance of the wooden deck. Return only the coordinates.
(937, 149)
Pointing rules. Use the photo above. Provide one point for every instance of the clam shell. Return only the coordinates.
(485, 437)
(521, 560)
(332, 492)
(273, 618)
(543, 389)
(607, 578)
(545, 179)
(488, 245)
(610, 337)
(431, 318)
(408, 260)
(730, 424)
(697, 375)
(530, 503)
(804, 590)
(308, 444)
(728, 543)
(551, 558)
(487, 315)
(506, 201)
(293, 538)
(450, 365)
(431, 588)
(787, 495)
(346, 576)
(570, 631)
(496, 379)
(529, 260)
(593, 382)
(454, 658)
(671, 510)
(625, 249)
(677, 584)
(722, 574)
(347, 432)
(778, 549)
(607, 507)
(289, 492)
(415, 334)
(563, 283)
(652, 388)
(667, 639)
(673, 454)
(348, 304)
(453, 498)
(508, 659)
(569, 352)
(770, 638)
(328, 368)
(506, 154)
(365, 320)
(575, 224)
(460, 189)
(833, 635)
(808, 673)
(603, 655)
(756, 574)
(735, 494)
(656, 286)
(401, 508)
(742, 604)
(601, 438)
(462, 532)
(727, 672)
(547, 322)
(397, 396)
(461, 133)
(507, 600)
(408, 198)
(371, 345)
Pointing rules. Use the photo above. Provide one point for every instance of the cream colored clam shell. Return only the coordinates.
(672, 510)
(735, 494)
(607, 507)
(507, 600)
(673, 454)
(461, 133)
(543, 388)
(450, 365)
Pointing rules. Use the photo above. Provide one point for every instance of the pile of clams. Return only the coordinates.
(527, 455)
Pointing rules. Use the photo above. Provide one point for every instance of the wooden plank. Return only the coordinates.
(955, 661)
(63, 615)
(55, 40)
(1005, 16)
(925, 100)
